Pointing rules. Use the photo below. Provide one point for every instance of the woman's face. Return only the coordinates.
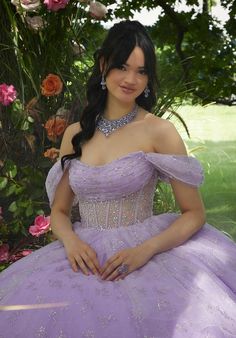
(126, 83)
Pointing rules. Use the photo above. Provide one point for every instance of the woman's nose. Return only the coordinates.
(130, 77)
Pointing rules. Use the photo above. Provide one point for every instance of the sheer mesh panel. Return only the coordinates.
(125, 211)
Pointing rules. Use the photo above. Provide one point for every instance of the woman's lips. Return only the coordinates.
(127, 90)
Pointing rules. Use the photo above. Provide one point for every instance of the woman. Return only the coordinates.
(120, 271)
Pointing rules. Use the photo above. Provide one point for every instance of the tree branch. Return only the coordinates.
(185, 61)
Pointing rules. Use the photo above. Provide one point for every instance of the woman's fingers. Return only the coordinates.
(73, 264)
(120, 277)
(115, 274)
(93, 257)
(90, 263)
(82, 265)
(110, 268)
(108, 263)
(81, 255)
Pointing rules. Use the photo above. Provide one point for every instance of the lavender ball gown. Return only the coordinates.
(189, 291)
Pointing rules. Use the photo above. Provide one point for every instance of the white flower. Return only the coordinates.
(78, 49)
(35, 22)
(62, 111)
(26, 5)
(97, 10)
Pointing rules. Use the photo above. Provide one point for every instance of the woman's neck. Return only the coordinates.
(115, 110)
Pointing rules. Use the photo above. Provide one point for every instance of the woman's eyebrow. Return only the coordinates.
(140, 67)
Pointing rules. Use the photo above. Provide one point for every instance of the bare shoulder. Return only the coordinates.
(165, 136)
(66, 145)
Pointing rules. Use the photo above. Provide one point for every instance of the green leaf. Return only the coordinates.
(40, 212)
(23, 204)
(16, 228)
(29, 211)
(13, 207)
(19, 190)
(30, 119)
(25, 125)
(10, 169)
(3, 182)
(13, 171)
(11, 190)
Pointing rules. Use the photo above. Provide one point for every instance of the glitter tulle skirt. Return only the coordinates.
(189, 291)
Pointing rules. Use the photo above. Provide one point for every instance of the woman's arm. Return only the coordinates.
(79, 253)
(60, 210)
(62, 204)
(166, 140)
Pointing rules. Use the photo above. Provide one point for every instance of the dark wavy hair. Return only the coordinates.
(120, 41)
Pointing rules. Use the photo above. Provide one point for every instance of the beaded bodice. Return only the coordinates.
(120, 193)
(122, 211)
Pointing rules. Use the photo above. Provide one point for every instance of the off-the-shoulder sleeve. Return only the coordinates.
(183, 168)
(53, 178)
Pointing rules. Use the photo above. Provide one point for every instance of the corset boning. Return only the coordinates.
(127, 210)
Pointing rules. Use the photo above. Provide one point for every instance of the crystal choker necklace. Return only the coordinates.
(109, 126)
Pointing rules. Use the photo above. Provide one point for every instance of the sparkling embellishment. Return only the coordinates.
(88, 334)
(109, 126)
(146, 92)
(128, 210)
(123, 268)
(103, 83)
(41, 332)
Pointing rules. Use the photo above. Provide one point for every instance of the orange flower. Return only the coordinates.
(52, 153)
(51, 85)
(55, 127)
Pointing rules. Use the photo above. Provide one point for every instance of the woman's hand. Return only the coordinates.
(81, 255)
(132, 258)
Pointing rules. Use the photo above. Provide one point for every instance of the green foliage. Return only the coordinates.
(196, 51)
(62, 47)
(164, 200)
(213, 137)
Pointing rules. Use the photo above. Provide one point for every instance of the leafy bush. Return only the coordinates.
(45, 61)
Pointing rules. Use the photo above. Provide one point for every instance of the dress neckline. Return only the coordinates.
(133, 153)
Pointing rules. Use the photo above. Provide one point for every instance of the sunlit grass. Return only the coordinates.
(213, 137)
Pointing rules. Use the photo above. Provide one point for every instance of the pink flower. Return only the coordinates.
(7, 94)
(4, 252)
(55, 5)
(41, 225)
(20, 254)
(97, 10)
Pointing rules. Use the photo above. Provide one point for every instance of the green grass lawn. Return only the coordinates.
(213, 140)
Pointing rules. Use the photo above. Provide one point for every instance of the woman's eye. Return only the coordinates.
(122, 67)
(143, 72)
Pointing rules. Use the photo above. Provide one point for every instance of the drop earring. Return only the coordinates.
(103, 83)
(146, 92)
